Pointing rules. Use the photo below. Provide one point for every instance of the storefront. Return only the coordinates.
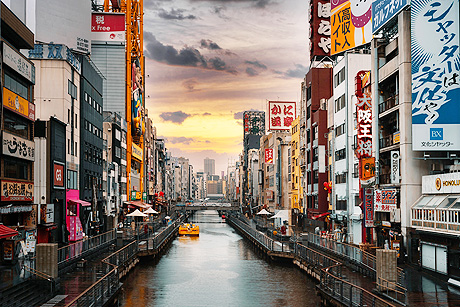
(435, 224)
(75, 215)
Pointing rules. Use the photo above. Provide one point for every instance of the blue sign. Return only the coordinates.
(55, 52)
(384, 10)
(435, 65)
(436, 133)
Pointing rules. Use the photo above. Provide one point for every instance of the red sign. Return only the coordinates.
(17, 191)
(281, 114)
(269, 156)
(320, 28)
(364, 118)
(58, 175)
(368, 207)
(108, 27)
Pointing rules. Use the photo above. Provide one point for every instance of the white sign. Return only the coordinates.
(385, 200)
(281, 114)
(18, 147)
(18, 62)
(394, 172)
(441, 184)
(108, 27)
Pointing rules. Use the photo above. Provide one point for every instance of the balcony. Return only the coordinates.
(437, 213)
(388, 104)
(384, 179)
(389, 140)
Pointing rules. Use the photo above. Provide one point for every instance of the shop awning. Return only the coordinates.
(320, 215)
(80, 202)
(6, 232)
(138, 203)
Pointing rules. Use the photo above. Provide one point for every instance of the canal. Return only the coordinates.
(218, 268)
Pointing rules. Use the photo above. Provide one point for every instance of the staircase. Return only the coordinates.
(27, 294)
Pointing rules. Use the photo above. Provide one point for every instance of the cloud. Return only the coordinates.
(187, 56)
(239, 115)
(251, 72)
(177, 117)
(181, 139)
(174, 14)
(298, 72)
(255, 69)
(206, 114)
(190, 85)
(208, 44)
(257, 64)
(254, 3)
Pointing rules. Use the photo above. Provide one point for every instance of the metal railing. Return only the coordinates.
(80, 248)
(388, 103)
(314, 257)
(40, 276)
(345, 292)
(152, 240)
(392, 290)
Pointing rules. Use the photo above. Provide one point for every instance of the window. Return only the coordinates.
(308, 136)
(339, 77)
(76, 150)
(341, 178)
(315, 132)
(355, 171)
(72, 183)
(16, 124)
(340, 130)
(340, 103)
(15, 85)
(117, 134)
(309, 93)
(16, 168)
(68, 116)
(117, 152)
(340, 154)
(68, 146)
(315, 177)
(72, 89)
(86, 97)
(271, 181)
(76, 117)
(341, 205)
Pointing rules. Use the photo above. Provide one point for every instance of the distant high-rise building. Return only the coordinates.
(209, 166)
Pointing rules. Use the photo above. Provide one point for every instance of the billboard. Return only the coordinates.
(435, 67)
(108, 27)
(17, 191)
(281, 114)
(364, 119)
(368, 207)
(351, 24)
(254, 122)
(268, 155)
(384, 10)
(137, 107)
(18, 147)
(17, 104)
(320, 28)
(385, 200)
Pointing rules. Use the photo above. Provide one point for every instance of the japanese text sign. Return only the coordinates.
(435, 62)
(58, 175)
(368, 208)
(364, 119)
(320, 28)
(17, 191)
(384, 10)
(17, 104)
(108, 27)
(385, 200)
(351, 24)
(268, 155)
(18, 147)
(367, 169)
(254, 122)
(281, 114)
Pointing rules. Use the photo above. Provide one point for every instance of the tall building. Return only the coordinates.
(209, 166)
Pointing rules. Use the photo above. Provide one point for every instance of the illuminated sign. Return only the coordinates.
(254, 122)
(281, 114)
(17, 104)
(394, 167)
(368, 207)
(137, 152)
(441, 184)
(268, 155)
(351, 24)
(108, 27)
(364, 118)
(435, 75)
(384, 10)
(58, 175)
(17, 191)
(18, 147)
(320, 28)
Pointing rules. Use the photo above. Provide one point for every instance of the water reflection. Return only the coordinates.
(218, 268)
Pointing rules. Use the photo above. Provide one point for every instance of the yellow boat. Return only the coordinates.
(189, 230)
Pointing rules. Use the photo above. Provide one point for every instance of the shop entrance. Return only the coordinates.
(434, 257)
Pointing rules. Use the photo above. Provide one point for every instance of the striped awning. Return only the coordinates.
(6, 232)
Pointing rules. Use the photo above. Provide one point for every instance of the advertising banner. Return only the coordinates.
(441, 184)
(385, 200)
(368, 207)
(58, 175)
(137, 106)
(108, 27)
(137, 152)
(320, 28)
(17, 191)
(281, 114)
(384, 10)
(435, 75)
(367, 173)
(18, 62)
(268, 155)
(17, 104)
(351, 24)
(18, 147)
(394, 175)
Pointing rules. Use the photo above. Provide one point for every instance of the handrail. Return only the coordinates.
(87, 239)
(44, 276)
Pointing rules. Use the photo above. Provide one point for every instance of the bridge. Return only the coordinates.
(207, 206)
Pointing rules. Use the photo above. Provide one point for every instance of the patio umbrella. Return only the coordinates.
(263, 212)
(150, 211)
(137, 213)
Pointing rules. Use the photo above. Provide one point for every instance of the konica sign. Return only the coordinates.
(441, 184)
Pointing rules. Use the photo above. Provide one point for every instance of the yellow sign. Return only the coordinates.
(351, 24)
(137, 152)
(17, 104)
(396, 137)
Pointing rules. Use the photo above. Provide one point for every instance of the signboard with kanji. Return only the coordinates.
(254, 122)
(320, 28)
(435, 65)
(368, 207)
(351, 24)
(281, 114)
(385, 200)
(17, 191)
(268, 155)
(364, 118)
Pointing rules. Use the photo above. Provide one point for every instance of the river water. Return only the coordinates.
(218, 268)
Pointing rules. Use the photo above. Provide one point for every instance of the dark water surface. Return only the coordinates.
(218, 268)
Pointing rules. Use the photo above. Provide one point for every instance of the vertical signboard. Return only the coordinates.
(394, 156)
(364, 118)
(58, 175)
(435, 64)
(254, 122)
(368, 207)
(320, 28)
(137, 109)
(351, 24)
(281, 114)
(268, 155)
(384, 10)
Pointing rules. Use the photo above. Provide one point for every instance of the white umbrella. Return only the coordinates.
(137, 213)
(150, 211)
(263, 212)
(167, 217)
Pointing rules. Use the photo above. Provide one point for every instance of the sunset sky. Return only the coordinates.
(207, 61)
